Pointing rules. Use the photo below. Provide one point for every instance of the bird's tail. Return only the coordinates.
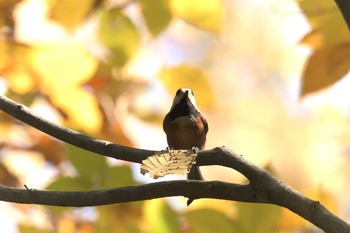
(194, 174)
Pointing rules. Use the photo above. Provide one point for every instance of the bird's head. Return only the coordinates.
(184, 95)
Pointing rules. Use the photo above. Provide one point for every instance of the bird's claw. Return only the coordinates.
(168, 149)
(195, 150)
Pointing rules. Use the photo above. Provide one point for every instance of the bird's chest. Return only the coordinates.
(185, 133)
(184, 123)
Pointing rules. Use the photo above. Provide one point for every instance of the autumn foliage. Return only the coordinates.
(110, 69)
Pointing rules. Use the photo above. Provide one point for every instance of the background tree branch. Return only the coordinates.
(344, 7)
(262, 187)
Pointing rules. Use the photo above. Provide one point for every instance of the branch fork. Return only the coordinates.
(262, 187)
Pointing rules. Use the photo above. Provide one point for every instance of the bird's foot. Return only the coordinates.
(195, 150)
(168, 149)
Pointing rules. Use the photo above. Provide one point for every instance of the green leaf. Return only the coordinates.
(161, 218)
(156, 14)
(94, 170)
(206, 15)
(70, 184)
(119, 35)
(90, 166)
(118, 176)
(258, 218)
(209, 220)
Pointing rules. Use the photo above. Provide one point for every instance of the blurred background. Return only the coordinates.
(269, 75)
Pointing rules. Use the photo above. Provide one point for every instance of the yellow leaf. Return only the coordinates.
(66, 225)
(326, 18)
(11, 53)
(186, 75)
(19, 80)
(3, 55)
(313, 39)
(291, 221)
(14, 67)
(160, 217)
(62, 65)
(325, 67)
(264, 216)
(203, 14)
(81, 108)
(69, 13)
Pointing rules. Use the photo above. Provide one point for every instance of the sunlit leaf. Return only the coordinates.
(291, 221)
(209, 220)
(156, 14)
(119, 35)
(325, 197)
(29, 229)
(327, 20)
(85, 227)
(19, 79)
(14, 66)
(121, 218)
(66, 225)
(325, 67)
(186, 75)
(258, 217)
(62, 65)
(80, 107)
(160, 217)
(313, 39)
(203, 14)
(4, 48)
(69, 13)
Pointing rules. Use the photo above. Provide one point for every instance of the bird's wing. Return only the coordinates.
(205, 123)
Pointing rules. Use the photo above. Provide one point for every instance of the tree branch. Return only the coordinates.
(22, 113)
(344, 7)
(263, 187)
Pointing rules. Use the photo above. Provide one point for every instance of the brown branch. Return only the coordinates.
(344, 7)
(263, 187)
(213, 189)
(22, 113)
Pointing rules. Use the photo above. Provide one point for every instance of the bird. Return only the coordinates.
(186, 128)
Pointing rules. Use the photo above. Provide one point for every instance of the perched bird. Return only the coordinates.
(185, 127)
